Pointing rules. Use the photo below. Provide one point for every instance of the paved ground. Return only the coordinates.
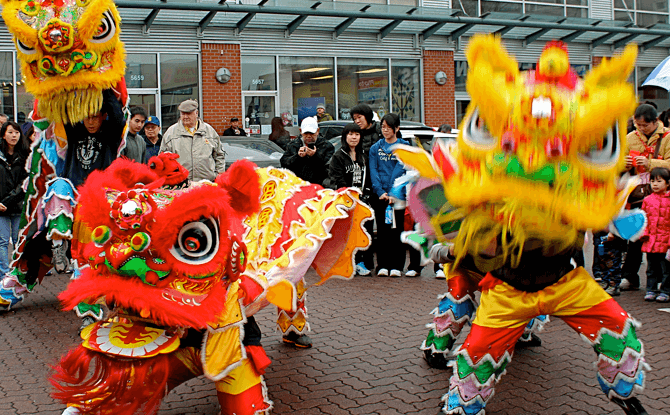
(365, 358)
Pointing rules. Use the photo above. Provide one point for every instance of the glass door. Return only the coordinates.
(259, 110)
(145, 100)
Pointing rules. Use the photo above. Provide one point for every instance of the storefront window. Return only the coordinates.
(179, 82)
(258, 73)
(461, 108)
(7, 84)
(362, 81)
(141, 70)
(305, 83)
(406, 88)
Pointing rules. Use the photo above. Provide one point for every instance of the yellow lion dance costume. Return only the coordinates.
(536, 163)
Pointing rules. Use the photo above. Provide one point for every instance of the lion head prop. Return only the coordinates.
(538, 154)
(69, 51)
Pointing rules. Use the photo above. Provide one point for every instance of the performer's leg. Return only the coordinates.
(243, 392)
(294, 325)
(602, 323)
(502, 316)
(453, 312)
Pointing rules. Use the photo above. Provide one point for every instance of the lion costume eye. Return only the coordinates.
(608, 153)
(477, 134)
(107, 29)
(24, 49)
(198, 242)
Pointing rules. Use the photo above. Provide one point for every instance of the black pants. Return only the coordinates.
(631, 265)
(390, 251)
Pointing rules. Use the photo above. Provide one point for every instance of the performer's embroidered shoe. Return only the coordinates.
(534, 341)
(298, 340)
(85, 322)
(436, 360)
(630, 406)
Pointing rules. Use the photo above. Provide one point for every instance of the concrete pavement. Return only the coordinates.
(365, 358)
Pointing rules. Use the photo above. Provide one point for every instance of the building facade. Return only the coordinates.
(285, 65)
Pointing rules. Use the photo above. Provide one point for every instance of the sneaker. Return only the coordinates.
(650, 296)
(440, 275)
(663, 298)
(361, 270)
(436, 360)
(630, 406)
(383, 272)
(624, 285)
(395, 273)
(298, 340)
(613, 290)
(60, 260)
(531, 341)
(411, 273)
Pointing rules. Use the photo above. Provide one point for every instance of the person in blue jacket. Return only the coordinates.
(384, 169)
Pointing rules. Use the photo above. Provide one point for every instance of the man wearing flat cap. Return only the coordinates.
(235, 129)
(197, 144)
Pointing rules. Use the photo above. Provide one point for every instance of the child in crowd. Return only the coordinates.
(384, 169)
(608, 251)
(656, 238)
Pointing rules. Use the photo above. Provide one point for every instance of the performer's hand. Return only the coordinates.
(2, 207)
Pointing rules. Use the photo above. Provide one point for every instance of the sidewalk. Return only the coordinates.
(365, 359)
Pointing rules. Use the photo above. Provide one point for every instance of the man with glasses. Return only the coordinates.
(308, 156)
(649, 147)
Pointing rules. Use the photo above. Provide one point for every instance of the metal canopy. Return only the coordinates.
(341, 16)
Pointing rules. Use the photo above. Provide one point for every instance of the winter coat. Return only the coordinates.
(384, 166)
(637, 141)
(369, 137)
(136, 148)
(657, 234)
(342, 168)
(201, 153)
(312, 169)
(12, 174)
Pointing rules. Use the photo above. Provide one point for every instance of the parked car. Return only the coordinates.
(414, 132)
(261, 151)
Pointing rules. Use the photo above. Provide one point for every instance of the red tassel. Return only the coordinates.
(105, 385)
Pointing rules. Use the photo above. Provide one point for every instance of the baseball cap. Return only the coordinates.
(234, 119)
(309, 125)
(153, 120)
(189, 105)
(321, 106)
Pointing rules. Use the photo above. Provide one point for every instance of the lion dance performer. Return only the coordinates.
(72, 62)
(183, 270)
(537, 162)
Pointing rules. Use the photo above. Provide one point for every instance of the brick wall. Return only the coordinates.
(439, 102)
(221, 102)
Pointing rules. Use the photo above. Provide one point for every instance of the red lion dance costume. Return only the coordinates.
(184, 270)
(536, 163)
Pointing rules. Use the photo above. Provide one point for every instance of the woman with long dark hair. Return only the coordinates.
(279, 135)
(14, 150)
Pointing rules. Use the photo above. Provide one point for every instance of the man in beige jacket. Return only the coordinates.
(197, 144)
(652, 141)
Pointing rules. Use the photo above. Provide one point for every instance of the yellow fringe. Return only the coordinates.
(71, 107)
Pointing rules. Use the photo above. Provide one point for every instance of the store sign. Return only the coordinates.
(366, 83)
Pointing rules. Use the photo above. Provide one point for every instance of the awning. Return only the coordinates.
(338, 17)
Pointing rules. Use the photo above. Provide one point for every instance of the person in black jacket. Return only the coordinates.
(308, 156)
(14, 150)
(94, 143)
(371, 130)
(347, 169)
